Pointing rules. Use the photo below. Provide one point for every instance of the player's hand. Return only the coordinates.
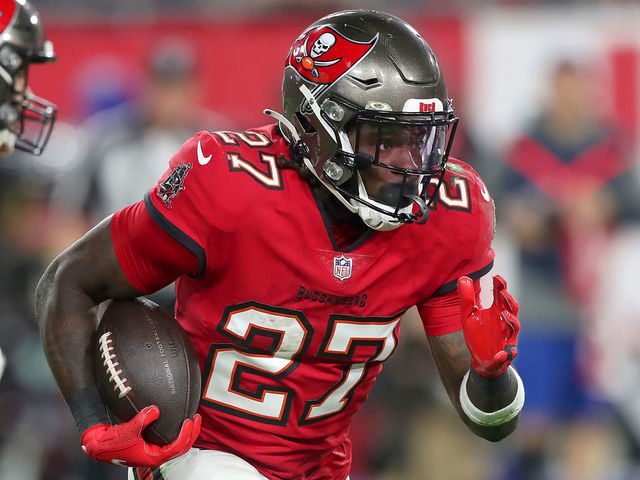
(123, 444)
(492, 333)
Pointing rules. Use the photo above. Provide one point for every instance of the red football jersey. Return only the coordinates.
(291, 332)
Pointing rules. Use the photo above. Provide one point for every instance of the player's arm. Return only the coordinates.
(474, 363)
(81, 277)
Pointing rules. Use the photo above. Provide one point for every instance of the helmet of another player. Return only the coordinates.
(25, 119)
(366, 110)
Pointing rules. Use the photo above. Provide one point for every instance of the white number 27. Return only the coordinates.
(284, 337)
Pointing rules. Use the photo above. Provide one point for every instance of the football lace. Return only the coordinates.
(114, 373)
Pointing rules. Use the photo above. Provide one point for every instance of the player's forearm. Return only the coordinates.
(63, 311)
(84, 275)
(493, 405)
(67, 326)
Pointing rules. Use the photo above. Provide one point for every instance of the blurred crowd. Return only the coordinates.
(567, 190)
(115, 8)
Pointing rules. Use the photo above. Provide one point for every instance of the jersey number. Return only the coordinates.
(454, 196)
(234, 370)
(272, 179)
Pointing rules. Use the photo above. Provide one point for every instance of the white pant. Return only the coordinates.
(199, 464)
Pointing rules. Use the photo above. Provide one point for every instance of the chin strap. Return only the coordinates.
(386, 221)
(424, 210)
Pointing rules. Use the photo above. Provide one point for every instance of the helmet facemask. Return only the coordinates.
(383, 161)
(36, 123)
(28, 117)
(25, 119)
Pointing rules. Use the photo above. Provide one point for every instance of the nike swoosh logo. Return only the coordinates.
(120, 463)
(202, 160)
(484, 192)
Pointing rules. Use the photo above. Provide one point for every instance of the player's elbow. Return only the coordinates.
(48, 284)
(59, 286)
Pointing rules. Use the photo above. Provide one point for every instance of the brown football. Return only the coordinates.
(143, 357)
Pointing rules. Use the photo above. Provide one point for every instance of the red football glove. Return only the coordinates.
(491, 333)
(123, 444)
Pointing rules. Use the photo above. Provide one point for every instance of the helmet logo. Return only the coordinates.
(323, 44)
(429, 105)
(329, 57)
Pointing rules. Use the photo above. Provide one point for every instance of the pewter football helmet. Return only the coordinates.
(25, 119)
(356, 85)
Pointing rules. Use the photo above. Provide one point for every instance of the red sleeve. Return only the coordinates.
(469, 228)
(182, 201)
(441, 315)
(150, 258)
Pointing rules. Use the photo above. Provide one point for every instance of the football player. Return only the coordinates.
(297, 247)
(25, 119)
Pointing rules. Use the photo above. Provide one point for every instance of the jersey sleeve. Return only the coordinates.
(441, 315)
(183, 199)
(149, 258)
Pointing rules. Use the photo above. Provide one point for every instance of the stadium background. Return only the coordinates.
(498, 58)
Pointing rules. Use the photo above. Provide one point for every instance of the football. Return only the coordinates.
(143, 357)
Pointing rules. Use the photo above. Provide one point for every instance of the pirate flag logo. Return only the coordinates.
(323, 55)
(171, 187)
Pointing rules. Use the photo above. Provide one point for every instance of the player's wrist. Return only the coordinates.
(495, 372)
(491, 387)
(87, 408)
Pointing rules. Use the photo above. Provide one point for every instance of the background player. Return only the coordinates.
(25, 120)
(297, 248)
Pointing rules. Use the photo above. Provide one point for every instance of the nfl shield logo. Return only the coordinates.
(342, 267)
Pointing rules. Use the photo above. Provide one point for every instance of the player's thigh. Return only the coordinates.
(199, 464)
